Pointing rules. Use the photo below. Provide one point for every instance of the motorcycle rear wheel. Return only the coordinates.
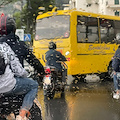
(49, 95)
(35, 112)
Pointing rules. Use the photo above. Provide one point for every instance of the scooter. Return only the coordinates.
(53, 81)
(10, 105)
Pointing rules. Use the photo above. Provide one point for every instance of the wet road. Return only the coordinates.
(82, 101)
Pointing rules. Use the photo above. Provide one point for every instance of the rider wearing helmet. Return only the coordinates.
(7, 33)
(52, 45)
(7, 25)
(54, 57)
(15, 74)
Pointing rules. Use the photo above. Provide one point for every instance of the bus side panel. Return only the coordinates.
(88, 57)
(92, 58)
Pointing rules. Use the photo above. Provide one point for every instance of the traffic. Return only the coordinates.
(59, 63)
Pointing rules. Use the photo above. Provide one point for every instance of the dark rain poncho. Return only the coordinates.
(23, 52)
(53, 57)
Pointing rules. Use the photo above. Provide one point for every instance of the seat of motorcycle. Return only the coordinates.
(54, 68)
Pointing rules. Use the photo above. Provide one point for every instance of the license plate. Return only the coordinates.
(47, 80)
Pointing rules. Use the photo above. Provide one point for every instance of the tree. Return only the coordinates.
(30, 12)
(17, 20)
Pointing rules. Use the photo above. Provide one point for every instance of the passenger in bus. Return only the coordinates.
(7, 34)
(54, 57)
(116, 76)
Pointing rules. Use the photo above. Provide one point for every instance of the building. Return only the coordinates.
(105, 7)
(61, 4)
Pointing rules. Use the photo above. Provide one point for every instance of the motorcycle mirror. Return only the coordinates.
(67, 53)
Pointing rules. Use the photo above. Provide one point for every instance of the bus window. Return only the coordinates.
(87, 29)
(117, 29)
(53, 27)
(107, 31)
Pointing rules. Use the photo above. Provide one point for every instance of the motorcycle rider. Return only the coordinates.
(54, 58)
(7, 32)
(19, 85)
(116, 73)
(14, 81)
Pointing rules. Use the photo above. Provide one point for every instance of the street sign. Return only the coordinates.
(27, 37)
(20, 33)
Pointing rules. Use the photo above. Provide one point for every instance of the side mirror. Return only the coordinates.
(67, 53)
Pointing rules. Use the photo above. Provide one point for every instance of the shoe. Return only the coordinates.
(22, 115)
(18, 117)
(116, 96)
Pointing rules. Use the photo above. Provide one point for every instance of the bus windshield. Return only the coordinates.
(53, 27)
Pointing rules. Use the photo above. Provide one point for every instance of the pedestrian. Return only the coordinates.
(116, 73)
(7, 33)
(14, 81)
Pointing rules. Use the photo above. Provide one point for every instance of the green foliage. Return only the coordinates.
(17, 16)
(27, 17)
(30, 12)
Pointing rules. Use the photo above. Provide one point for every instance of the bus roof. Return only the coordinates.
(51, 13)
(74, 11)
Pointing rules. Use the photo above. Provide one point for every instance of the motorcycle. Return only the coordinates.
(53, 80)
(10, 105)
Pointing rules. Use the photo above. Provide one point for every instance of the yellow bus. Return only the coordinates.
(91, 39)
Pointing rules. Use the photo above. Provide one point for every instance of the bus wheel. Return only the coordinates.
(80, 78)
(75, 76)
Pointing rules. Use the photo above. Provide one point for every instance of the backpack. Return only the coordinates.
(2, 65)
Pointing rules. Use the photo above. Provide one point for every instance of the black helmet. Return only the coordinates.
(7, 25)
(52, 45)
